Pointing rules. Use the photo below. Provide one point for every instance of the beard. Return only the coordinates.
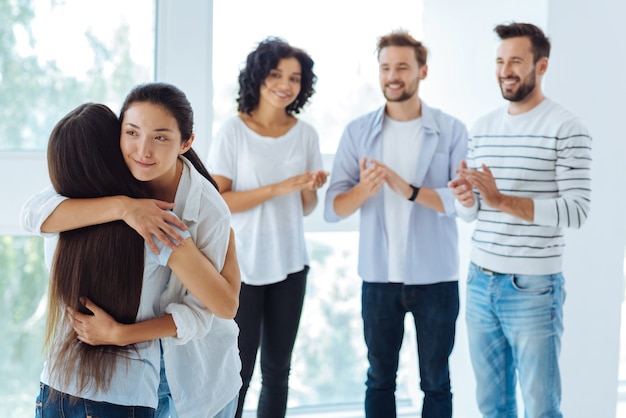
(527, 85)
(402, 98)
(407, 93)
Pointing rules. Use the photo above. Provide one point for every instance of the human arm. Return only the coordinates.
(570, 209)
(565, 182)
(466, 201)
(427, 197)
(149, 217)
(218, 291)
(462, 189)
(353, 182)
(309, 193)
(549, 172)
(49, 212)
(102, 329)
(182, 322)
(485, 183)
(38, 208)
(243, 200)
(225, 159)
(212, 235)
(371, 179)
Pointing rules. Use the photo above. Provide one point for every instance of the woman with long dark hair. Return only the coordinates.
(104, 264)
(200, 361)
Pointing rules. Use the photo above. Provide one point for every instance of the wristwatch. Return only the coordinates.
(416, 190)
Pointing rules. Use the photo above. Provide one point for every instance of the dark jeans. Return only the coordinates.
(435, 308)
(268, 318)
(51, 403)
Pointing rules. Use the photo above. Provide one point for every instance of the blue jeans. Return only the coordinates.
(435, 308)
(269, 317)
(166, 407)
(51, 403)
(514, 324)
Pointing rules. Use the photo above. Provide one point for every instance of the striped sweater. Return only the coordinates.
(545, 155)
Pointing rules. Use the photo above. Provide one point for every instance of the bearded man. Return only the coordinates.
(527, 177)
(393, 165)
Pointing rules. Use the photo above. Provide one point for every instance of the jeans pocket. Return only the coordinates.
(38, 408)
(533, 284)
(41, 398)
(471, 272)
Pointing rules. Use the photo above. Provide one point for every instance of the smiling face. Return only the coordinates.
(151, 143)
(399, 73)
(516, 69)
(282, 85)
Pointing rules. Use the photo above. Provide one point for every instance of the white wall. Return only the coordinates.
(584, 75)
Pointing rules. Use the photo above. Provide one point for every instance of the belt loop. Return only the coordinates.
(487, 271)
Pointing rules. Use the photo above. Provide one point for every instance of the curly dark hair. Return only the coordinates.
(258, 66)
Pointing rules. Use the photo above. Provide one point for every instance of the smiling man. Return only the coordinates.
(527, 178)
(393, 165)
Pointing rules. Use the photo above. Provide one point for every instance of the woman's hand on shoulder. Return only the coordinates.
(152, 218)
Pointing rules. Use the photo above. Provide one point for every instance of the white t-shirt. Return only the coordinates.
(401, 144)
(270, 236)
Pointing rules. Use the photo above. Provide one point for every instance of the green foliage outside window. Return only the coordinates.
(34, 95)
(24, 285)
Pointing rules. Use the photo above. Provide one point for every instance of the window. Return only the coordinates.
(329, 362)
(24, 281)
(59, 54)
(55, 55)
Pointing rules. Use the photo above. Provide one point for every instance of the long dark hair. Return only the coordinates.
(103, 262)
(258, 66)
(172, 99)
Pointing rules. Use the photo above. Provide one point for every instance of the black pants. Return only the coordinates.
(268, 318)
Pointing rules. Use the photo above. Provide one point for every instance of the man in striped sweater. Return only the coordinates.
(527, 177)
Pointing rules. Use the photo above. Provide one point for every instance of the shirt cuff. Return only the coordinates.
(544, 212)
(465, 213)
(191, 323)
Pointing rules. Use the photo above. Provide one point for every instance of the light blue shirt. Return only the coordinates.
(432, 238)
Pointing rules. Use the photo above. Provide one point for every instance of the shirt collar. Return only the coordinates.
(428, 119)
(188, 193)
